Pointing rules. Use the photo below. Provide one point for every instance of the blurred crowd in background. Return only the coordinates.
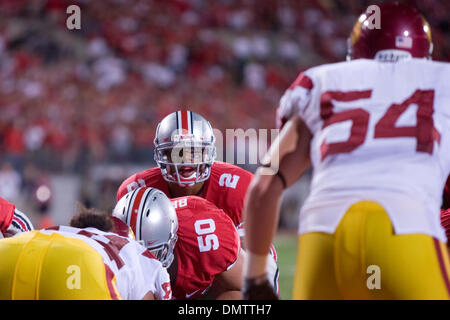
(74, 99)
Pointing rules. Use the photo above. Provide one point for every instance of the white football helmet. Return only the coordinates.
(152, 217)
(184, 148)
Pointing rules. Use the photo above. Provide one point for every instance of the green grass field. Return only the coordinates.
(286, 246)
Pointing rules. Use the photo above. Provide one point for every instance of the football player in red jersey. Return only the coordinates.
(12, 221)
(185, 154)
(207, 254)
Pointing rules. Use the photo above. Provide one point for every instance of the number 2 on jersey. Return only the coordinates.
(228, 180)
(424, 130)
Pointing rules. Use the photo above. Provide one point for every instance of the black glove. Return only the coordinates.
(258, 288)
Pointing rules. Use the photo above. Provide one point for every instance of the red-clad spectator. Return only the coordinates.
(13, 140)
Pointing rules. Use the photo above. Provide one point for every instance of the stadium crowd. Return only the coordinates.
(71, 99)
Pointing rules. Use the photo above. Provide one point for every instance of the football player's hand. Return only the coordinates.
(258, 289)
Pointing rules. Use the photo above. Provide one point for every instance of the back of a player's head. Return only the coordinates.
(91, 218)
(387, 30)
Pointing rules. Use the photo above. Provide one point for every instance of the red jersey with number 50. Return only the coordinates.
(381, 132)
(226, 187)
(208, 244)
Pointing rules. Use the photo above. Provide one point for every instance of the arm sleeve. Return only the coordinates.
(300, 99)
(163, 290)
(6, 214)
(20, 223)
(138, 278)
(155, 277)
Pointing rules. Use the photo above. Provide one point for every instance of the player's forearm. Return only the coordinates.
(262, 203)
(261, 212)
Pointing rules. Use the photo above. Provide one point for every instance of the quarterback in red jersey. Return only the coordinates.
(182, 173)
(207, 246)
(12, 221)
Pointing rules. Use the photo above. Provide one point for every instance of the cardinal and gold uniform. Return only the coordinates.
(370, 227)
(78, 264)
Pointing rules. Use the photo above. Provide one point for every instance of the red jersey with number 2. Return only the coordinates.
(381, 132)
(225, 188)
(208, 244)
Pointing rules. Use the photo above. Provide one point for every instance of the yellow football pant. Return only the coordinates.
(364, 259)
(37, 266)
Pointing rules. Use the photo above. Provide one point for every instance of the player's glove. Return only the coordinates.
(258, 288)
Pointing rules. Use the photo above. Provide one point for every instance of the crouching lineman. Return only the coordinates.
(12, 221)
(84, 261)
(207, 261)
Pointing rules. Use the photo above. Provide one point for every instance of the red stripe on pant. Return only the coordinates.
(109, 281)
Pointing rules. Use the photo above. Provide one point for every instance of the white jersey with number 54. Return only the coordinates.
(381, 132)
